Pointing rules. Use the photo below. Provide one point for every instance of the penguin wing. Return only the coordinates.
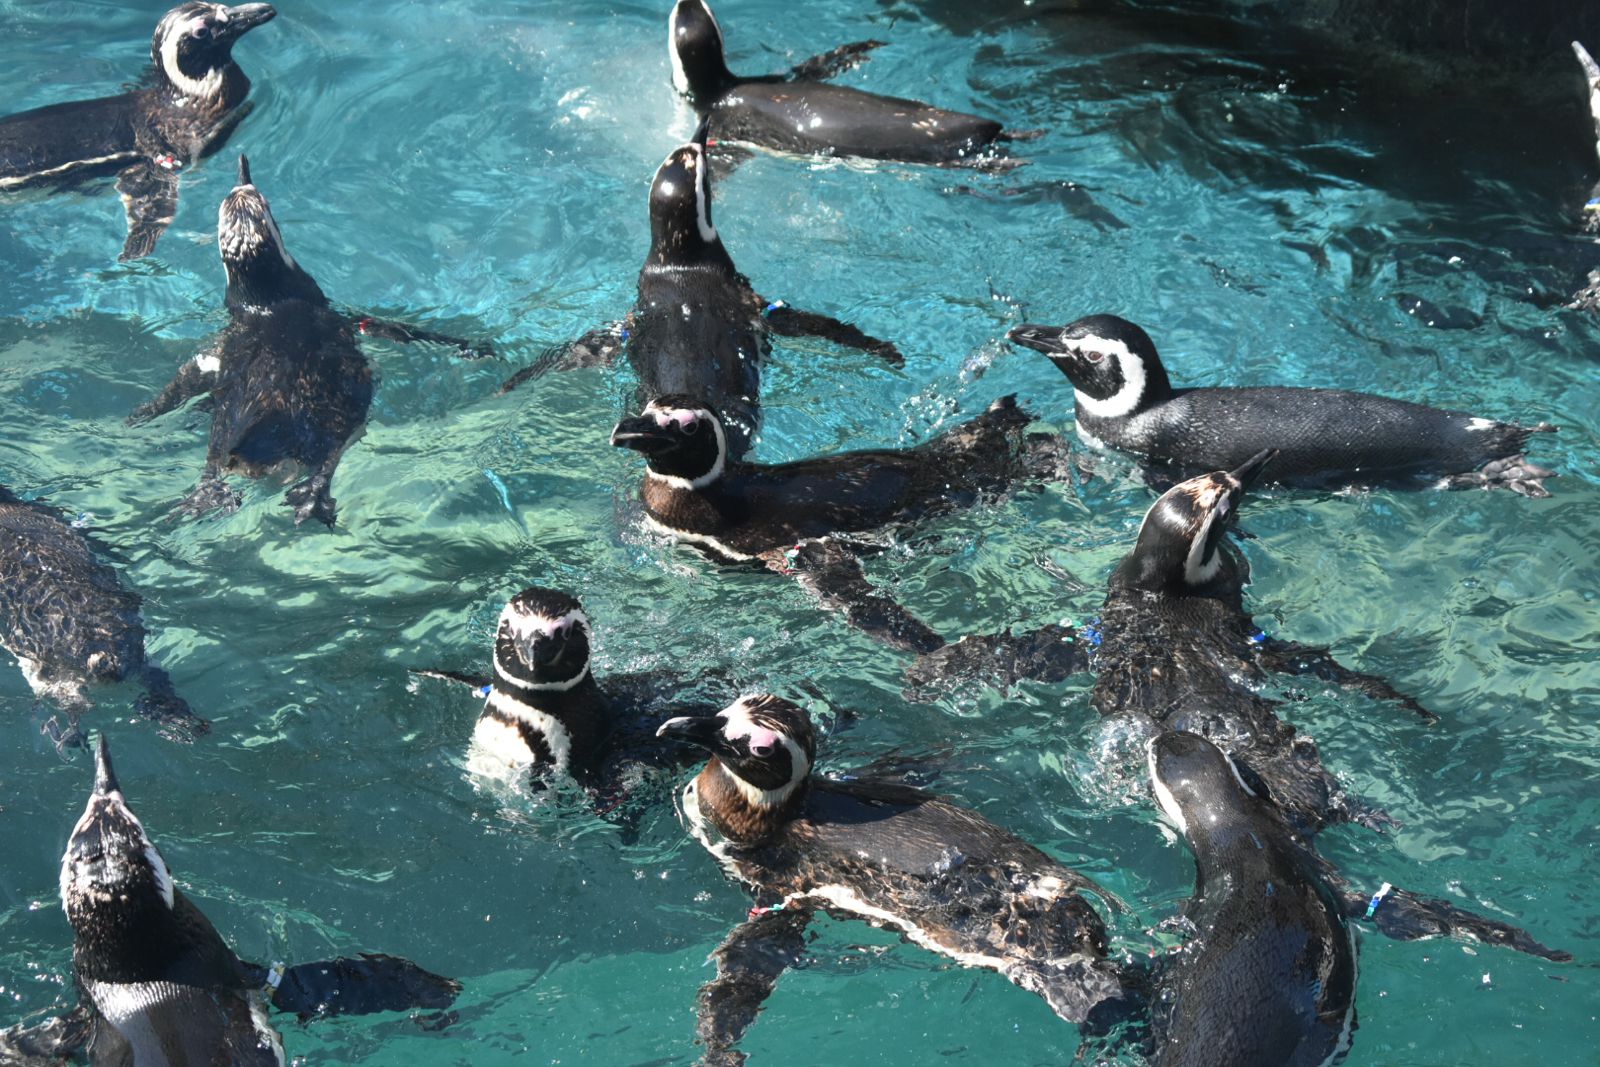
(402, 333)
(792, 322)
(1291, 657)
(48, 1044)
(834, 62)
(361, 985)
(597, 348)
(750, 961)
(195, 377)
(150, 198)
(831, 572)
(67, 142)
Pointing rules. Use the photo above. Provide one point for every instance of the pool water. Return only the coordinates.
(1271, 213)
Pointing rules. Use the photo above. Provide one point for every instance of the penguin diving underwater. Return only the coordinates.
(795, 518)
(157, 984)
(545, 710)
(67, 618)
(698, 328)
(1325, 438)
(942, 876)
(288, 384)
(1269, 917)
(800, 112)
(194, 99)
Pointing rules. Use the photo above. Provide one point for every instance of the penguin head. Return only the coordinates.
(1112, 364)
(765, 743)
(110, 867)
(1180, 547)
(260, 269)
(681, 438)
(1197, 785)
(681, 231)
(193, 43)
(694, 42)
(542, 641)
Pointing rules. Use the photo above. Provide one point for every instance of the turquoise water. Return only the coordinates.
(1270, 215)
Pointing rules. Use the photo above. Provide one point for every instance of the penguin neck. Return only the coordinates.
(674, 249)
(1232, 851)
(741, 812)
(267, 280)
(130, 938)
(221, 89)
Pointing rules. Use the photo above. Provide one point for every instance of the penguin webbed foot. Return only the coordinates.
(831, 572)
(161, 703)
(1406, 916)
(749, 962)
(597, 348)
(835, 61)
(310, 499)
(1512, 472)
(63, 739)
(1291, 657)
(792, 322)
(361, 985)
(211, 494)
(150, 200)
(1048, 654)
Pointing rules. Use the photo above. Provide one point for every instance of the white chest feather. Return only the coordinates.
(500, 745)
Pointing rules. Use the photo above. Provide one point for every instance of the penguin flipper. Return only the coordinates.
(1406, 916)
(57, 1041)
(193, 379)
(150, 199)
(1048, 654)
(1291, 657)
(475, 681)
(401, 333)
(361, 985)
(597, 348)
(831, 572)
(792, 322)
(832, 63)
(749, 961)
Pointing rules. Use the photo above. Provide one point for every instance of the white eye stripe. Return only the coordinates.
(523, 623)
(1126, 399)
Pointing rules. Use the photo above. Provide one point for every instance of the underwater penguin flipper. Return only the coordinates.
(1048, 654)
(401, 333)
(792, 322)
(150, 199)
(749, 962)
(597, 348)
(59, 1040)
(831, 572)
(834, 62)
(195, 377)
(1406, 916)
(1291, 657)
(360, 985)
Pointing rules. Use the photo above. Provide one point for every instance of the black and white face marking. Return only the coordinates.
(765, 743)
(1196, 784)
(110, 862)
(682, 440)
(680, 206)
(1111, 362)
(193, 44)
(1180, 539)
(542, 642)
(695, 46)
(247, 234)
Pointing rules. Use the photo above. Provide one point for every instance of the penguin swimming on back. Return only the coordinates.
(1323, 437)
(195, 98)
(799, 112)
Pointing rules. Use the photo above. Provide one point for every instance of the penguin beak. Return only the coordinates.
(642, 434)
(701, 731)
(105, 776)
(1046, 339)
(244, 170)
(702, 134)
(244, 18)
(1246, 475)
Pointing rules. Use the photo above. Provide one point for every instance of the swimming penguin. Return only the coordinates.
(943, 876)
(1591, 77)
(194, 98)
(1264, 920)
(288, 383)
(544, 708)
(798, 112)
(1323, 437)
(698, 328)
(159, 986)
(70, 623)
(788, 516)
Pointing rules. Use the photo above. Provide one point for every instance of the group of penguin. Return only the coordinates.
(1269, 975)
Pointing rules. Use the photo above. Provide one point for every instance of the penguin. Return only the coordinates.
(1591, 77)
(799, 112)
(544, 710)
(697, 326)
(1324, 437)
(791, 517)
(1269, 975)
(193, 98)
(158, 985)
(70, 622)
(943, 876)
(288, 382)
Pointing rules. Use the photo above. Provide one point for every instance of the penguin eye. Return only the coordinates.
(1095, 357)
(691, 428)
(200, 32)
(761, 750)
